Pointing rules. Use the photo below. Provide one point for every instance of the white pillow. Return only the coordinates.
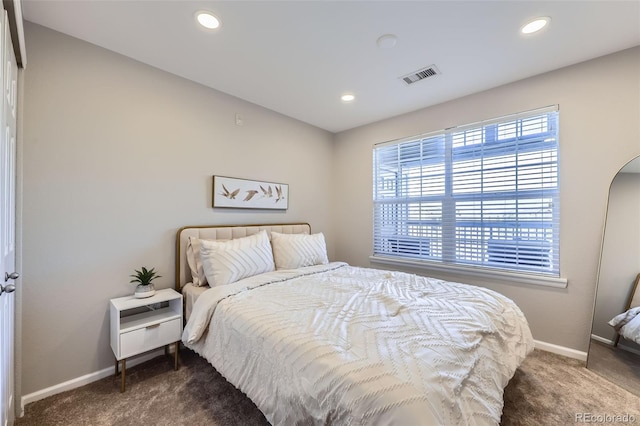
(292, 251)
(195, 262)
(225, 262)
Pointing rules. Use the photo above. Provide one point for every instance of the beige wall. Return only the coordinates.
(117, 157)
(620, 254)
(599, 105)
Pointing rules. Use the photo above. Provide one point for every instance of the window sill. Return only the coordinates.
(522, 278)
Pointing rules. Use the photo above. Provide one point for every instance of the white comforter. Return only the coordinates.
(335, 344)
(627, 324)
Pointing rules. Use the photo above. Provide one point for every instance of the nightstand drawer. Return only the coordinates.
(145, 339)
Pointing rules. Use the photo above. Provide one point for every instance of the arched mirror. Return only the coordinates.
(614, 350)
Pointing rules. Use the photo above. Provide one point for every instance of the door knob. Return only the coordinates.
(9, 288)
(11, 276)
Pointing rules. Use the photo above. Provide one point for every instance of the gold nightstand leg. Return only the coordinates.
(117, 367)
(122, 379)
(175, 354)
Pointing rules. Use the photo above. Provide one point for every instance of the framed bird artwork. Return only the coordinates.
(238, 193)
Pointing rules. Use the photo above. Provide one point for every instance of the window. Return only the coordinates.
(484, 195)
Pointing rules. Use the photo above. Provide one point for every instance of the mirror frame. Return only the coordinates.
(599, 270)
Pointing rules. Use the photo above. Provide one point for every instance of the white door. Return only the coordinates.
(8, 224)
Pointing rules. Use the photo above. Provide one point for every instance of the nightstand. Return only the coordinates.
(141, 325)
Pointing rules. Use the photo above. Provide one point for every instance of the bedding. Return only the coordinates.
(225, 262)
(291, 251)
(627, 324)
(336, 344)
(188, 246)
(194, 261)
(190, 294)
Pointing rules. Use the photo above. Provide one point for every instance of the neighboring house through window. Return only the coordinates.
(482, 195)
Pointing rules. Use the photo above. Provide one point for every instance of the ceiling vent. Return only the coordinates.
(416, 76)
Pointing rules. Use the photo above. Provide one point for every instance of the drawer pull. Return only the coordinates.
(153, 326)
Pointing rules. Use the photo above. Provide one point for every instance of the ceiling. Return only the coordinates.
(299, 57)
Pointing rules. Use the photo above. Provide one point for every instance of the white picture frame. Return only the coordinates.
(236, 193)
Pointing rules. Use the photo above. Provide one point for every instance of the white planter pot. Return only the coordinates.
(143, 291)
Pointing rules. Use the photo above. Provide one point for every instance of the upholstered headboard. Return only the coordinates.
(634, 297)
(222, 232)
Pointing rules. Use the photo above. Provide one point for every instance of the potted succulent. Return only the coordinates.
(144, 278)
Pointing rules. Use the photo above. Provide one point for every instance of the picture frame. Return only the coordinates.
(237, 193)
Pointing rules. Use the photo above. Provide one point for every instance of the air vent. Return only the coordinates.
(416, 76)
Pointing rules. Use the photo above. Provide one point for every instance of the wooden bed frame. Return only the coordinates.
(634, 300)
(223, 232)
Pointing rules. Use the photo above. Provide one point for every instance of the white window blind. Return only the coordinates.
(484, 195)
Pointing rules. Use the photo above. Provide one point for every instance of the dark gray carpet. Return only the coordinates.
(547, 390)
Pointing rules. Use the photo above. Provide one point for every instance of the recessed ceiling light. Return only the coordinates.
(208, 20)
(535, 25)
(387, 41)
(348, 97)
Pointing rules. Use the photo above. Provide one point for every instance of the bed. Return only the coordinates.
(627, 324)
(328, 343)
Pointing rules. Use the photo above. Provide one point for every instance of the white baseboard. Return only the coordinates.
(621, 345)
(602, 340)
(561, 350)
(628, 349)
(85, 380)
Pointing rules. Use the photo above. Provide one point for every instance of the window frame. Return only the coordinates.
(454, 152)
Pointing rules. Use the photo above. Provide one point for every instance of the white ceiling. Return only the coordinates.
(298, 57)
